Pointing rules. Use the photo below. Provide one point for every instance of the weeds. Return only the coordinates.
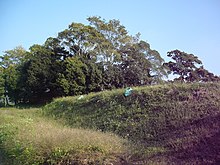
(27, 138)
(165, 124)
(149, 117)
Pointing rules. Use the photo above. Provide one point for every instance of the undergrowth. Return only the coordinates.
(161, 124)
(27, 138)
(160, 119)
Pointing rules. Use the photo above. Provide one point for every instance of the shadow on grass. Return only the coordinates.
(197, 142)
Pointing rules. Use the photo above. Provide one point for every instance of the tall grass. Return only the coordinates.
(27, 138)
(167, 124)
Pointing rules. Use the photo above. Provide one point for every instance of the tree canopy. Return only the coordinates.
(89, 58)
(188, 67)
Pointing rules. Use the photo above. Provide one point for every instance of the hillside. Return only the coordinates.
(176, 123)
(161, 124)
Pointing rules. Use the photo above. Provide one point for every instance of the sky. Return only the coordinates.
(192, 26)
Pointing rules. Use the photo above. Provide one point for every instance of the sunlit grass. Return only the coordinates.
(165, 124)
(24, 134)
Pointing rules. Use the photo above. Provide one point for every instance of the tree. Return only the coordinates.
(141, 64)
(81, 59)
(80, 40)
(73, 79)
(135, 66)
(87, 56)
(13, 57)
(10, 62)
(113, 77)
(202, 75)
(131, 58)
(41, 75)
(94, 76)
(2, 85)
(114, 35)
(188, 67)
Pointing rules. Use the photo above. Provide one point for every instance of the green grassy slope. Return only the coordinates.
(178, 123)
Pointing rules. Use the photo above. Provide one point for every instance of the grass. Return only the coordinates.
(162, 124)
(28, 138)
(168, 123)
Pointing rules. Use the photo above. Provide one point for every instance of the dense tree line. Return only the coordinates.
(88, 58)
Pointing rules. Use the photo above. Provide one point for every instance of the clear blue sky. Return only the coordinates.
(192, 26)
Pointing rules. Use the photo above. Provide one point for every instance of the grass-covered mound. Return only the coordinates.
(26, 138)
(179, 123)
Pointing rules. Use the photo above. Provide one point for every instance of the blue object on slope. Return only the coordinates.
(128, 91)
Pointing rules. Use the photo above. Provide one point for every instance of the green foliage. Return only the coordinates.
(127, 60)
(73, 79)
(141, 65)
(40, 73)
(94, 77)
(2, 84)
(171, 118)
(10, 63)
(81, 59)
(114, 37)
(13, 57)
(187, 66)
(13, 150)
(90, 58)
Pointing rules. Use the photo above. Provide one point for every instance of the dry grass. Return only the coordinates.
(49, 140)
(48, 135)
